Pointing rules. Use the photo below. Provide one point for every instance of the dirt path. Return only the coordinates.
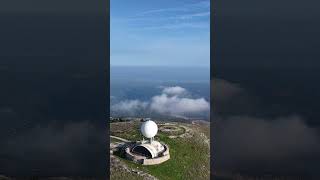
(120, 139)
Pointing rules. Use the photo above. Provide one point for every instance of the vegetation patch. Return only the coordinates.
(117, 174)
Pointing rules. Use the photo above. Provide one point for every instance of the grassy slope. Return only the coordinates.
(189, 157)
(118, 175)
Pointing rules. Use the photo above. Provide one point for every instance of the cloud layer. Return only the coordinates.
(175, 90)
(261, 144)
(224, 90)
(129, 106)
(250, 138)
(173, 101)
(55, 149)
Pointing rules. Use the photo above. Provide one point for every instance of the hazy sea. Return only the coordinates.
(143, 83)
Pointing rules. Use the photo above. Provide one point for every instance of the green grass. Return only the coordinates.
(119, 175)
(113, 140)
(186, 155)
(188, 158)
(126, 130)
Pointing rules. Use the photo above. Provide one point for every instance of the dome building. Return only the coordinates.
(148, 152)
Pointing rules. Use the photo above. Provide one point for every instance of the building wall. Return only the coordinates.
(142, 160)
(157, 160)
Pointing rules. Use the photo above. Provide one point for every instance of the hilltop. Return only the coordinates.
(189, 150)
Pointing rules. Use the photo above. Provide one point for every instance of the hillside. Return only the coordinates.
(189, 151)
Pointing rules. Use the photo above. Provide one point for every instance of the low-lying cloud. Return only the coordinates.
(173, 101)
(129, 106)
(251, 137)
(264, 144)
(224, 90)
(175, 90)
(56, 149)
(176, 105)
(230, 98)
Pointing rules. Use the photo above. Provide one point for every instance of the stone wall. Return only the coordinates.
(157, 160)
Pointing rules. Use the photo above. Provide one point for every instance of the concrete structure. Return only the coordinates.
(148, 152)
(146, 155)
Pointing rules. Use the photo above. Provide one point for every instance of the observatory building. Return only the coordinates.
(148, 152)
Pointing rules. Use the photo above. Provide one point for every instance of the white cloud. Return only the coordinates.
(182, 25)
(176, 17)
(224, 90)
(242, 141)
(129, 106)
(175, 105)
(154, 11)
(173, 101)
(175, 90)
(186, 8)
(193, 15)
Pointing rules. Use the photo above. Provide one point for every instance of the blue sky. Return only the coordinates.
(160, 32)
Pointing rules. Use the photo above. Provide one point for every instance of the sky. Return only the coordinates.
(160, 33)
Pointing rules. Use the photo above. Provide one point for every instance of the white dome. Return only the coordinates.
(149, 129)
